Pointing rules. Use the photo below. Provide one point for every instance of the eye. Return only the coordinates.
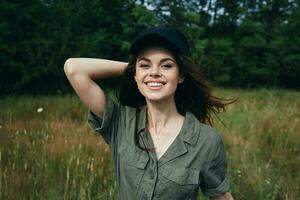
(144, 65)
(167, 66)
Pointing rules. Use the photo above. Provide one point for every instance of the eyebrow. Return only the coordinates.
(161, 61)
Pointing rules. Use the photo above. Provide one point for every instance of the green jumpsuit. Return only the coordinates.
(196, 158)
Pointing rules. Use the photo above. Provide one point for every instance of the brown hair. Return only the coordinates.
(193, 95)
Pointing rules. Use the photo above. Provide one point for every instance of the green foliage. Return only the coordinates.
(238, 43)
(218, 61)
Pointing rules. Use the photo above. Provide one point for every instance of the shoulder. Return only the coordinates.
(206, 132)
(210, 132)
(131, 112)
(125, 110)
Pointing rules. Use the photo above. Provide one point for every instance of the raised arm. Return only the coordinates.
(81, 72)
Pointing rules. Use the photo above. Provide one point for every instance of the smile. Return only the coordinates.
(154, 85)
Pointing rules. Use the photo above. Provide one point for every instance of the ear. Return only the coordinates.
(135, 77)
(181, 79)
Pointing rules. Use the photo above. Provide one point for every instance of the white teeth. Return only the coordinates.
(154, 84)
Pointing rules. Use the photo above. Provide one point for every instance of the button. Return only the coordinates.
(147, 195)
(152, 176)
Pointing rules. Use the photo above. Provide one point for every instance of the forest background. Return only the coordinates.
(241, 43)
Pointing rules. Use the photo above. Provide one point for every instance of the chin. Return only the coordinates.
(155, 98)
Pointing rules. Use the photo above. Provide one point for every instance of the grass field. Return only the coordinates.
(47, 150)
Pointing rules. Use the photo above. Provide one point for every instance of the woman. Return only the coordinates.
(160, 145)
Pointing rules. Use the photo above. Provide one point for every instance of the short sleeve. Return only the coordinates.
(215, 180)
(108, 125)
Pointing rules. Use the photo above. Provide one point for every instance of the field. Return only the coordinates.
(47, 150)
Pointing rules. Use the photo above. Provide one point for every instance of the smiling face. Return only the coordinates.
(157, 74)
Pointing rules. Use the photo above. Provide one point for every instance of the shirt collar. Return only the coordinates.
(189, 131)
(142, 119)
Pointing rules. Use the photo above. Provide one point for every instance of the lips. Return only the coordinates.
(155, 84)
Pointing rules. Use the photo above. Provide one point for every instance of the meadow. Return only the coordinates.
(48, 151)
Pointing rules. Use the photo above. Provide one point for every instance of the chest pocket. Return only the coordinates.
(178, 182)
(131, 167)
(180, 175)
(132, 156)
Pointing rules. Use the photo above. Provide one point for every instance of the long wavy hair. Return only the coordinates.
(193, 95)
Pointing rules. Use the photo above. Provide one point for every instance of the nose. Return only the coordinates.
(155, 71)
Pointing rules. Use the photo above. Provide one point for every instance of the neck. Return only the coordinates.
(160, 113)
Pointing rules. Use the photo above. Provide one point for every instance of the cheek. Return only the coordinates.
(173, 82)
(139, 80)
(139, 76)
(173, 77)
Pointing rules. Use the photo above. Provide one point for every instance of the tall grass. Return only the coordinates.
(51, 154)
(263, 143)
(47, 150)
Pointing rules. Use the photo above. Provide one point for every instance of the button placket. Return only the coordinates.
(151, 179)
(148, 182)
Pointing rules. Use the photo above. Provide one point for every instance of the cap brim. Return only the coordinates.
(152, 39)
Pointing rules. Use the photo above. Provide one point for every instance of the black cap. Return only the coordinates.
(169, 37)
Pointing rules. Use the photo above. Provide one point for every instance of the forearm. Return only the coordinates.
(81, 72)
(94, 68)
